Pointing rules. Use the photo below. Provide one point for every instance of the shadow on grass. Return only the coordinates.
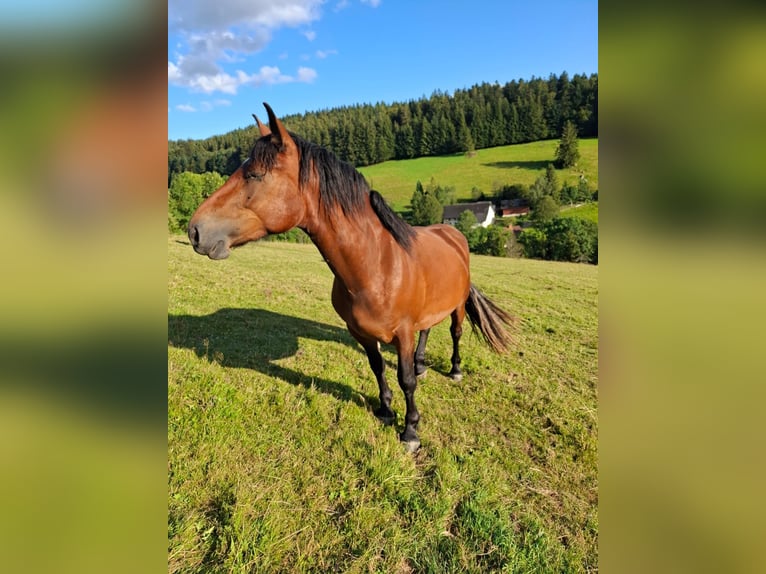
(254, 338)
(533, 165)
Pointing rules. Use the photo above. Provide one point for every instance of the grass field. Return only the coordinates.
(489, 168)
(584, 211)
(277, 464)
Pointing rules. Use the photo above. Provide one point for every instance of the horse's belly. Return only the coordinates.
(362, 317)
(428, 321)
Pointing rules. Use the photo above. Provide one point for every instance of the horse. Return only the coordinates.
(392, 280)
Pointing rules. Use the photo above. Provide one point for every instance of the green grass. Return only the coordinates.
(489, 168)
(584, 211)
(277, 464)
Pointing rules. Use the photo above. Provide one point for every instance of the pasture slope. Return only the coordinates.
(486, 169)
(276, 463)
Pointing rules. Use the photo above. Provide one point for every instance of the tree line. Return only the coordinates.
(547, 236)
(485, 115)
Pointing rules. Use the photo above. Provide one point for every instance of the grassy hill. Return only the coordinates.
(521, 163)
(276, 463)
(584, 211)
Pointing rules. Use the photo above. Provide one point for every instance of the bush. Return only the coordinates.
(572, 239)
(187, 191)
(535, 243)
(426, 203)
(493, 240)
(562, 239)
(293, 235)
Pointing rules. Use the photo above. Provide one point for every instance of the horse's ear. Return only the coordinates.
(279, 134)
(265, 131)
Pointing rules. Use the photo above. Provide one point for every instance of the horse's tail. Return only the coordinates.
(491, 320)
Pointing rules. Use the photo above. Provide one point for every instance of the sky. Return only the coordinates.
(226, 57)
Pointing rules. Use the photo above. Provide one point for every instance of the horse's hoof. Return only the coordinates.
(411, 446)
(410, 440)
(456, 376)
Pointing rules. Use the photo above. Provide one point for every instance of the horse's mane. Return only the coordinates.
(340, 184)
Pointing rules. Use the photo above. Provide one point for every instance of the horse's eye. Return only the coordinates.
(255, 176)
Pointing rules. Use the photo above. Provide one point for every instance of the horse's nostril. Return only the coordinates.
(194, 235)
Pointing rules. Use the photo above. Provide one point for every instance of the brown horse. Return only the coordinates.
(391, 280)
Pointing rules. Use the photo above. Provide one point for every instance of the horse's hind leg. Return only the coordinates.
(456, 330)
(420, 354)
(378, 366)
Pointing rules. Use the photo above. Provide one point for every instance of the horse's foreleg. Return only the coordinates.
(456, 330)
(420, 354)
(408, 382)
(378, 366)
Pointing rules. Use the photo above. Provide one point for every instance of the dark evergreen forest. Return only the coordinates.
(482, 116)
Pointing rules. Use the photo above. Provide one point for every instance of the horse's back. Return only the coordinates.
(441, 254)
(444, 240)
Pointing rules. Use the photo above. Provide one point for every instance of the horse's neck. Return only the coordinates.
(351, 245)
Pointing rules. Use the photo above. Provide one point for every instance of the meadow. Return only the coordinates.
(587, 211)
(487, 169)
(277, 464)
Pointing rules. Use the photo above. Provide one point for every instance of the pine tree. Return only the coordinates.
(551, 182)
(567, 153)
(426, 208)
(464, 140)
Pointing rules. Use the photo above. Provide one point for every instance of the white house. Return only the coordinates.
(483, 210)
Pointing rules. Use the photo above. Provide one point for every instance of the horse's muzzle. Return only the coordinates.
(213, 249)
(193, 233)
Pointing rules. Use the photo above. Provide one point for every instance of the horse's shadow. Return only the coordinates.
(255, 338)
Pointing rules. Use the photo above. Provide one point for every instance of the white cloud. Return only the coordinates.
(271, 75)
(216, 34)
(174, 74)
(306, 75)
(208, 84)
(204, 15)
(322, 54)
(186, 108)
(373, 3)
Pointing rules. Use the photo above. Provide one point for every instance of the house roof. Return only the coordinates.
(516, 202)
(480, 209)
(515, 210)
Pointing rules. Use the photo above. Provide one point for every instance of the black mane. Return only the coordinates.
(340, 184)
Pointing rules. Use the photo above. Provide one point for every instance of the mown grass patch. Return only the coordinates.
(276, 463)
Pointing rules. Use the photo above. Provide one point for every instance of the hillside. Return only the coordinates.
(520, 163)
(276, 462)
(587, 211)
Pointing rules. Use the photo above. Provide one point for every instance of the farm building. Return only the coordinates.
(513, 208)
(514, 211)
(483, 210)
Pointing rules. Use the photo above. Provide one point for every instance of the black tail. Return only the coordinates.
(490, 320)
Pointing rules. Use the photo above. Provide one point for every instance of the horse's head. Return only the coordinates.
(261, 197)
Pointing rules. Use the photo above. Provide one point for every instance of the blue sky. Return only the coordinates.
(225, 57)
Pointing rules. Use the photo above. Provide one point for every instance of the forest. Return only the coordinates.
(482, 116)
